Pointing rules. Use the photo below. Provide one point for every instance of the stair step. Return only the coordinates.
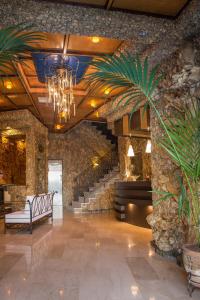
(91, 189)
(86, 194)
(76, 204)
(97, 184)
(81, 199)
(78, 210)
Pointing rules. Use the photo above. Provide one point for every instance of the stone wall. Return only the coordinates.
(181, 84)
(140, 164)
(12, 160)
(36, 159)
(145, 34)
(78, 150)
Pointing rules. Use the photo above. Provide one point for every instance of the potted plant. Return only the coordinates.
(181, 137)
(184, 132)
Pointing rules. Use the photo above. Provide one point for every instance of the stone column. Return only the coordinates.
(180, 85)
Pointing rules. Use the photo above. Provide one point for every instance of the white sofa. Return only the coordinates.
(36, 208)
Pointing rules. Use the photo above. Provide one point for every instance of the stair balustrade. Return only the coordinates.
(92, 174)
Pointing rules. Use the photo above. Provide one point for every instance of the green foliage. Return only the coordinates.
(181, 199)
(181, 135)
(127, 72)
(16, 41)
(184, 131)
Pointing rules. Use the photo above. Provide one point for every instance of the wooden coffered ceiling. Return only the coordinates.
(20, 88)
(169, 8)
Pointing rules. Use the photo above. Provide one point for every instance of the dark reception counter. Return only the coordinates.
(133, 202)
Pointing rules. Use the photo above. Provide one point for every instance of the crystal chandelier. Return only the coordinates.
(60, 90)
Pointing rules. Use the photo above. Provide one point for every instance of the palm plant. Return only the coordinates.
(16, 42)
(185, 152)
(181, 137)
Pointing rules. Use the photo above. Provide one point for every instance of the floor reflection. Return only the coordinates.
(89, 257)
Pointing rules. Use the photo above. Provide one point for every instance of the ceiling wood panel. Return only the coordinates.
(20, 100)
(28, 92)
(5, 103)
(90, 2)
(52, 41)
(85, 44)
(29, 68)
(163, 7)
(17, 86)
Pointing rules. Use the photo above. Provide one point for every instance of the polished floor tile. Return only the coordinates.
(88, 257)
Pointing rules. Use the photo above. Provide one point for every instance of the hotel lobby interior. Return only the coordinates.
(100, 149)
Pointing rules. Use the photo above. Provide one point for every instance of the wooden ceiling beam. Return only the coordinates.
(8, 76)
(25, 84)
(70, 52)
(15, 94)
(109, 4)
(9, 100)
(36, 90)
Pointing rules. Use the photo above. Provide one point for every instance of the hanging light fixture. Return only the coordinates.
(60, 87)
(130, 151)
(148, 147)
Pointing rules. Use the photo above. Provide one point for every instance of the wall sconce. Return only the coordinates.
(130, 151)
(148, 147)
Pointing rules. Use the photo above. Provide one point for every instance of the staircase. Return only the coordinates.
(99, 197)
(97, 179)
(102, 128)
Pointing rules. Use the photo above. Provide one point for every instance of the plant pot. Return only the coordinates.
(191, 261)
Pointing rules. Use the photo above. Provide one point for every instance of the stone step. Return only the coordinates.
(97, 184)
(93, 195)
(86, 194)
(77, 210)
(116, 168)
(81, 199)
(91, 189)
(76, 204)
(89, 201)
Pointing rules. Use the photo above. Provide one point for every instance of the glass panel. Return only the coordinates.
(55, 184)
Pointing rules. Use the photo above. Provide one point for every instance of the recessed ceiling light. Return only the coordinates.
(93, 103)
(58, 126)
(95, 39)
(107, 91)
(8, 84)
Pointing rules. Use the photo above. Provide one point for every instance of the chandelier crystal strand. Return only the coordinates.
(60, 89)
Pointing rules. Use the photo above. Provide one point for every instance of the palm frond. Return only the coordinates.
(125, 71)
(16, 41)
(184, 131)
(184, 206)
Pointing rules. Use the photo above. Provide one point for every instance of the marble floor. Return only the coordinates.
(93, 257)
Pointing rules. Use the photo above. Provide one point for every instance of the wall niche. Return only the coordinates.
(13, 159)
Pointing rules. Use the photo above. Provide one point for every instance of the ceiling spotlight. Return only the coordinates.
(8, 85)
(97, 114)
(95, 39)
